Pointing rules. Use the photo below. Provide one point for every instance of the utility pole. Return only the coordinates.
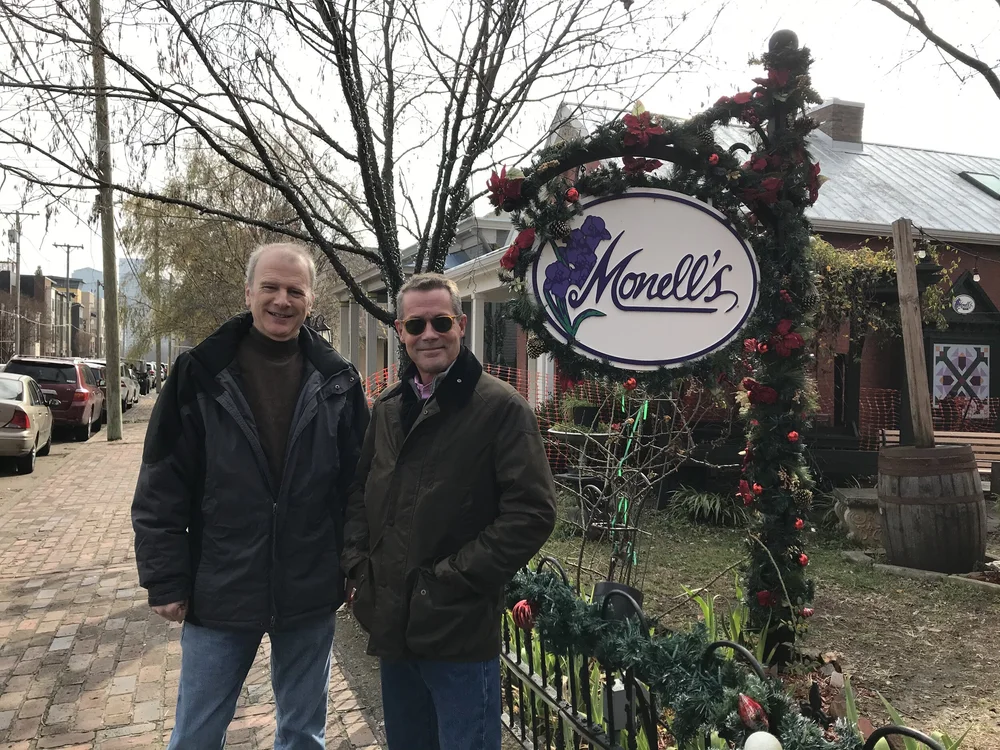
(17, 275)
(170, 339)
(159, 301)
(99, 318)
(69, 298)
(107, 222)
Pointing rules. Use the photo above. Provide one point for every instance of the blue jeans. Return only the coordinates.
(438, 705)
(214, 664)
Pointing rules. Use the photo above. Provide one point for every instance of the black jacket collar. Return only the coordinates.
(216, 352)
(458, 385)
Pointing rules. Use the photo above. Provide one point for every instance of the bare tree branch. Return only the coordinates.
(371, 123)
(915, 18)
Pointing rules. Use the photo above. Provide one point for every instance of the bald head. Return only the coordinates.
(288, 249)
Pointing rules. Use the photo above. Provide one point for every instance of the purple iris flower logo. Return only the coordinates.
(572, 267)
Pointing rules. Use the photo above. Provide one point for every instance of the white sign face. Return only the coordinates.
(647, 279)
(963, 304)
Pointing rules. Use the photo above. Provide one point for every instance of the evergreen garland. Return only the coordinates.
(700, 694)
(763, 190)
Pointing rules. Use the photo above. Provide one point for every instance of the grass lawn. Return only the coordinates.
(931, 648)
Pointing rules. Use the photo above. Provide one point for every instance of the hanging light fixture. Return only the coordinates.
(975, 271)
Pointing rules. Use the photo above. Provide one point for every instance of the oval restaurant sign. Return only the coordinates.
(963, 304)
(647, 279)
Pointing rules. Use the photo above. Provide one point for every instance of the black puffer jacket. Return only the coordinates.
(211, 527)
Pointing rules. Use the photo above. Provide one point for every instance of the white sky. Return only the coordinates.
(862, 53)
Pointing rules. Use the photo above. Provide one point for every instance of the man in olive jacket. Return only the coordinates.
(453, 494)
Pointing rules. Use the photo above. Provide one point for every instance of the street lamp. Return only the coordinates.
(318, 324)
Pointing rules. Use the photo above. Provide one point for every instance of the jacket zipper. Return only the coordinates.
(274, 498)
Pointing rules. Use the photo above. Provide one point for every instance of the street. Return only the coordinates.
(84, 663)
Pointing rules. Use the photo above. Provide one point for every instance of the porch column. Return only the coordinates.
(392, 350)
(350, 336)
(478, 338)
(345, 328)
(532, 382)
(371, 345)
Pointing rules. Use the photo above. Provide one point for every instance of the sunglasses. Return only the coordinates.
(440, 323)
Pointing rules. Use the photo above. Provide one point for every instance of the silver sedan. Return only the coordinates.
(26, 419)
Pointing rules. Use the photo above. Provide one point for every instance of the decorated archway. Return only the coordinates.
(700, 269)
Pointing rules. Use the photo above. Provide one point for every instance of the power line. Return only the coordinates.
(954, 246)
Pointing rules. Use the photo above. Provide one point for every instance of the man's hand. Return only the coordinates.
(351, 591)
(175, 612)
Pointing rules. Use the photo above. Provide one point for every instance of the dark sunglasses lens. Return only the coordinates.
(414, 326)
(442, 324)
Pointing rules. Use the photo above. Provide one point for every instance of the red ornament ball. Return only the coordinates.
(631, 384)
(757, 489)
(713, 159)
(793, 437)
(749, 345)
(803, 559)
(751, 712)
(572, 195)
(524, 615)
(762, 347)
(807, 611)
(765, 598)
(800, 524)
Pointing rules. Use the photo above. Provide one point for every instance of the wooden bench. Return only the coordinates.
(986, 446)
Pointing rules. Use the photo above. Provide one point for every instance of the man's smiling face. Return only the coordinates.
(279, 295)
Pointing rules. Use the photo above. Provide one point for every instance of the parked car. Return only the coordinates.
(99, 371)
(70, 381)
(130, 387)
(27, 421)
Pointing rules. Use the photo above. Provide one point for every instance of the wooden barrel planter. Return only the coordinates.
(932, 508)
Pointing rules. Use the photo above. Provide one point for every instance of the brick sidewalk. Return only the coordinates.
(84, 663)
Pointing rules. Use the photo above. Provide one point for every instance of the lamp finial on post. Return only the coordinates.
(783, 38)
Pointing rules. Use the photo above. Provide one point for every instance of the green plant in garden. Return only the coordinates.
(702, 506)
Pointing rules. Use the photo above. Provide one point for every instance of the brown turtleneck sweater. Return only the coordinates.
(272, 378)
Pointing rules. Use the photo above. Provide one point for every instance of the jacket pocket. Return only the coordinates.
(446, 622)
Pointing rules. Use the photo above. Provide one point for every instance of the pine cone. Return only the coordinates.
(706, 138)
(803, 497)
(536, 347)
(559, 230)
(810, 301)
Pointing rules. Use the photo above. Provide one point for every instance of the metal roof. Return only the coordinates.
(871, 185)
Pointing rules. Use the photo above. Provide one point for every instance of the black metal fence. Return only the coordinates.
(573, 702)
(563, 702)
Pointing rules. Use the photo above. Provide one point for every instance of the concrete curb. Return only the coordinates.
(861, 558)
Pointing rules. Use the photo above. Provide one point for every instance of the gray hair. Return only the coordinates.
(428, 282)
(287, 248)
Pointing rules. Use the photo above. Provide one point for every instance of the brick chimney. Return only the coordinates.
(842, 121)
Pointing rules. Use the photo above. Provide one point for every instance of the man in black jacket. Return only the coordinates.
(239, 508)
